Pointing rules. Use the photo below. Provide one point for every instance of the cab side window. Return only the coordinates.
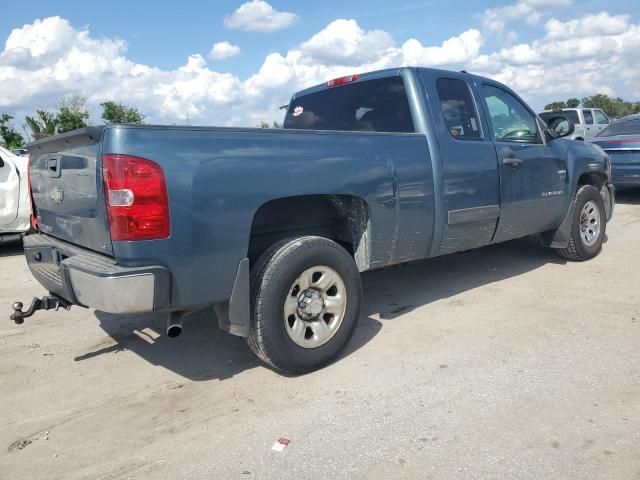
(588, 117)
(458, 109)
(511, 120)
(601, 118)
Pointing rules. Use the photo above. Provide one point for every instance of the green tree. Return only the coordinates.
(10, 138)
(573, 103)
(613, 107)
(114, 112)
(43, 124)
(69, 120)
(555, 106)
(72, 112)
(264, 124)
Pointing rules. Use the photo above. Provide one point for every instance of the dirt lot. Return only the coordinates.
(505, 362)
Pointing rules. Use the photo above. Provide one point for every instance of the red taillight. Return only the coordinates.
(342, 80)
(34, 218)
(136, 195)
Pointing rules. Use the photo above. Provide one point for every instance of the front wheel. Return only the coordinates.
(305, 303)
(588, 226)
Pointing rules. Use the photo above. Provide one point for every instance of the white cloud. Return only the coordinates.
(343, 42)
(259, 16)
(48, 58)
(495, 19)
(222, 50)
(588, 26)
(456, 50)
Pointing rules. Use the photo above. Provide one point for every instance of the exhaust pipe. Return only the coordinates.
(174, 325)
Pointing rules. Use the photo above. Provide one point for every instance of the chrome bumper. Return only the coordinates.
(92, 280)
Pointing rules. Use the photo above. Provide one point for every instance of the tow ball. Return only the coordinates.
(45, 303)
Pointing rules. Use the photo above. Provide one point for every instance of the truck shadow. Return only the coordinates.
(11, 248)
(396, 291)
(628, 196)
(203, 352)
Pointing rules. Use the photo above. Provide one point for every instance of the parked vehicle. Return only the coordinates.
(273, 226)
(21, 152)
(621, 141)
(626, 117)
(588, 122)
(15, 210)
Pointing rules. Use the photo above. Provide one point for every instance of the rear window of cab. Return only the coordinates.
(379, 105)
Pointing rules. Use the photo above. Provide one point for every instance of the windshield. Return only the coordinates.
(622, 127)
(572, 114)
(379, 105)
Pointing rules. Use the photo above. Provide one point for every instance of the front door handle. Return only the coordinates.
(512, 162)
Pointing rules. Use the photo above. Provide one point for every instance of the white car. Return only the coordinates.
(15, 207)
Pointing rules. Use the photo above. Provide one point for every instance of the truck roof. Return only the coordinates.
(389, 72)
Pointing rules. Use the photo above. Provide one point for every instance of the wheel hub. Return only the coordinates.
(590, 223)
(310, 304)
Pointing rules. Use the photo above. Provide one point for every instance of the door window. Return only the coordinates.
(601, 118)
(458, 109)
(511, 120)
(588, 117)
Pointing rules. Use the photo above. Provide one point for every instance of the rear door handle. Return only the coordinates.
(512, 162)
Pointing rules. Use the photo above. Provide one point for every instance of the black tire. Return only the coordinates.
(578, 250)
(271, 280)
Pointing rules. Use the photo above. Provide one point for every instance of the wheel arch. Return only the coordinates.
(342, 218)
(597, 179)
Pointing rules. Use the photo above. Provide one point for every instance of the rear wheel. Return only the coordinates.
(305, 303)
(588, 226)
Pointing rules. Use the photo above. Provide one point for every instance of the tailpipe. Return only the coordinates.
(174, 325)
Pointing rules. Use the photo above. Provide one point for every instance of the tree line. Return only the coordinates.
(70, 114)
(613, 107)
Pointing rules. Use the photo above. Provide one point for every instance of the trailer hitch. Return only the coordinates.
(45, 303)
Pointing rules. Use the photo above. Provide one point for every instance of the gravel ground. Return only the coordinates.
(504, 362)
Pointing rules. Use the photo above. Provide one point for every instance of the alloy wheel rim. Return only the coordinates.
(590, 223)
(315, 306)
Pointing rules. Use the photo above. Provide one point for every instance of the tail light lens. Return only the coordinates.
(34, 215)
(136, 195)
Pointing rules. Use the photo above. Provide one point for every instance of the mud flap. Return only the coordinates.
(234, 315)
(559, 238)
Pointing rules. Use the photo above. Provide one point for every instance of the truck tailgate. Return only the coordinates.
(66, 184)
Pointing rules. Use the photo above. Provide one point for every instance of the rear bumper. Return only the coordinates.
(92, 280)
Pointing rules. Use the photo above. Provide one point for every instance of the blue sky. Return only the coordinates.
(163, 35)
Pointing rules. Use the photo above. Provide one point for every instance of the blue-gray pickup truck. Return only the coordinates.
(272, 227)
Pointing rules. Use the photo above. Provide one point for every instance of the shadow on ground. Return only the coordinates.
(628, 196)
(11, 248)
(203, 352)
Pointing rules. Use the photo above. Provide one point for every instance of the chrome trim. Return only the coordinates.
(475, 214)
(118, 294)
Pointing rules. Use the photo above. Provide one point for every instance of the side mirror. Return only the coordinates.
(558, 127)
(1, 162)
